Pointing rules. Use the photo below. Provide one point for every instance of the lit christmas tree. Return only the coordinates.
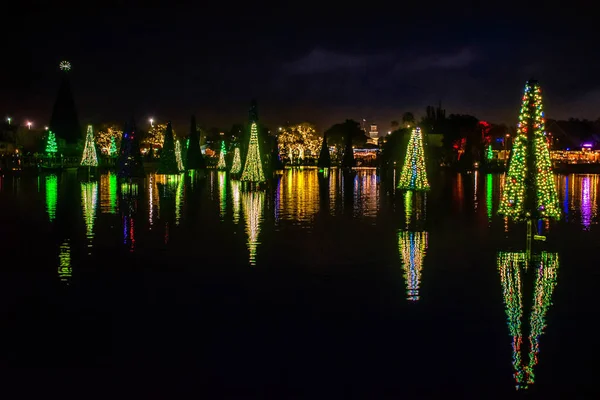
(112, 150)
(130, 157)
(194, 159)
(253, 170)
(236, 165)
(178, 157)
(168, 157)
(89, 158)
(324, 156)
(51, 147)
(530, 191)
(222, 165)
(414, 175)
(489, 153)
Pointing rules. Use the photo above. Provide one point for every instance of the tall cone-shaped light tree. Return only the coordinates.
(324, 157)
(414, 175)
(89, 157)
(253, 169)
(530, 190)
(168, 158)
(222, 165)
(130, 157)
(236, 165)
(194, 159)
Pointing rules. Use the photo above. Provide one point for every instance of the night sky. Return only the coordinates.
(301, 62)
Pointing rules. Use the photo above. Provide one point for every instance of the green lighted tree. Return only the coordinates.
(222, 165)
(530, 191)
(51, 147)
(168, 158)
(253, 170)
(112, 149)
(414, 175)
(89, 158)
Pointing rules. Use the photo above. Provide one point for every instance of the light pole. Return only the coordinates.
(152, 122)
(8, 119)
(29, 125)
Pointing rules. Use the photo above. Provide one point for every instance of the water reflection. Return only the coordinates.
(236, 199)
(108, 193)
(366, 192)
(298, 196)
(489, 192)
(51, 195)
(221, 178)
(89, 200)
(512, 267)
(253, 203)
(129, 198)
(412, 242)
(579, 198)
(65, 272)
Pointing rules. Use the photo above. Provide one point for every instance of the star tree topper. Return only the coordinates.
(65, 66)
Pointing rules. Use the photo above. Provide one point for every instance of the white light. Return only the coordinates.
(46, 128)
(29, 124)
(151, 121)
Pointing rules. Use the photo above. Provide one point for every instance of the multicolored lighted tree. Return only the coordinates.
(236, 165)
(253, 169)
(530, 190)
(168, 158)
(222, 165)
(414, 175)
(51, 146)
(90, 157)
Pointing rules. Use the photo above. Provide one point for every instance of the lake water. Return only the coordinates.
(329, 285)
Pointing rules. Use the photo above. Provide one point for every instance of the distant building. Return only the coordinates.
(373, 135)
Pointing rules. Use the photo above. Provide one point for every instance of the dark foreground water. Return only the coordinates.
(311, 287)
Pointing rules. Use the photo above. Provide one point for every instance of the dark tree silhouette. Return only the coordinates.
(64, 121)
(324, 157)
(194, 159)
(168, 160)
(130, 157)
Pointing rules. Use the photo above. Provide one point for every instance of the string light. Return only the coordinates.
(178, 157)
(530, 166)
(89, 158)
(222, 165)
(414, 175)
(236, 165)
(253, 170)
